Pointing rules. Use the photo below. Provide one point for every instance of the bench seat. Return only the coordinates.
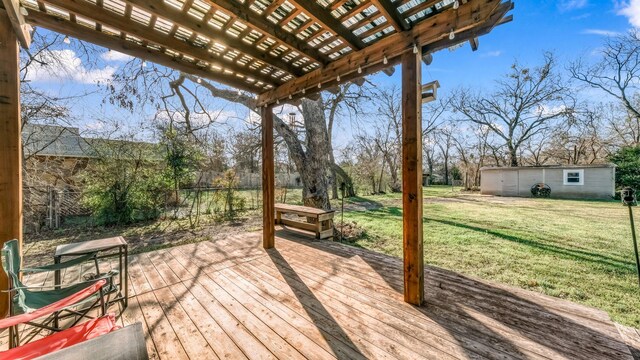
(321, 220)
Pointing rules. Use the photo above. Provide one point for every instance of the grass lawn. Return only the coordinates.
(577, 250)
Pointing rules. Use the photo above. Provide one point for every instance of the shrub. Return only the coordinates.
(125, 183)
(627, 160)
(228, 194)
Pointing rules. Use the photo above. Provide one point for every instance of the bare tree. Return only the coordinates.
(525, 103)
(444, 139)
(617, 74)
(369, 162)
(583, 141)
(388, 131)
(345, 98)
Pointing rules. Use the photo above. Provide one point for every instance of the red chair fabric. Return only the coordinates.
(56, 306)
(63, 339)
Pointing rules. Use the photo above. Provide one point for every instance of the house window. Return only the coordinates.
(573, 177)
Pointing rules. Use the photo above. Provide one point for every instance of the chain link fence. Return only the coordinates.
(51, 208)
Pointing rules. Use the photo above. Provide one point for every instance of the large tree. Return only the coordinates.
(524, 103)
(191, 97)
(310, 155)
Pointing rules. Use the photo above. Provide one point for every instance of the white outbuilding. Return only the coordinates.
(565, 181)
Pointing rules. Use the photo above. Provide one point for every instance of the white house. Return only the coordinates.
(565, 181)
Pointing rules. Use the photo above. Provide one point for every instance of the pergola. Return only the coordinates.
(280, 50)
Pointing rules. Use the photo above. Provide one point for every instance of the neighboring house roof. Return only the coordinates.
(61, 141)
(53, 140)
(586, 166)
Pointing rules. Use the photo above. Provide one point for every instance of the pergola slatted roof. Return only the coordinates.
(280, 49)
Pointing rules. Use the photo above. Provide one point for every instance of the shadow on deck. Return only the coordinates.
(322, 300)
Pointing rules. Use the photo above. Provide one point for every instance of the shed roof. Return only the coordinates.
(586, 166)
(279, 49)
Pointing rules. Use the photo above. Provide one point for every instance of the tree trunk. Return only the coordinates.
(513, 156)
(333, 174)
(314, 168)
(393, 170)
(349, 190)
(446, 171)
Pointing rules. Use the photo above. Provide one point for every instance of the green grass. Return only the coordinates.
(577, 250)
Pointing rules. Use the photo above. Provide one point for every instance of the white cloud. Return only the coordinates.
(66, 65)
(253, 118)
(570, 5)
(581, 16)
(492, 53)
(630, 9)
(600, 32)
(112, 55)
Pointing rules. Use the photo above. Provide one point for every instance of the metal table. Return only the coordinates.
(115, 246)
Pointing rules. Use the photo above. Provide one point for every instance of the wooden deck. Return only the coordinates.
(323, 300)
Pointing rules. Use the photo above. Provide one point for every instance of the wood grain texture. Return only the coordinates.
(130, 48)
(128, 26)
(323, 16)
(164, 10)
(412, 178)
(268, 179)
(469, 16)
(10, 144)
(322, 300)
(20, 27)
(261, 23)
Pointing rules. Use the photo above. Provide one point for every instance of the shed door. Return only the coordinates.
(509, 183)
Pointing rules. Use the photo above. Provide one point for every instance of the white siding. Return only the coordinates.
(599, 182)
(491, 183)
(527, 178)
(510, 183)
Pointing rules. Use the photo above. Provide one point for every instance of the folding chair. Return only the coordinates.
(28, 299)
(65, 338)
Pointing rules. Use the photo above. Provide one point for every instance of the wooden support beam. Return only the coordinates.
(323, 17)
(130, 48)
(128, 26)
(479, 13)
(10, 145)
(475, 43)
(390, 11)
(262, 24)
(412, 179)
(366, 20)
(273, 6)
(163, 10)
(268, 179)
(292, 15)
(20, 26)
(496, 19)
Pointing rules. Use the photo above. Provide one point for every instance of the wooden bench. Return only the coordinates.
(322, 227)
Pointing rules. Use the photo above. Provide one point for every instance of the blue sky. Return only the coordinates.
(570, 28)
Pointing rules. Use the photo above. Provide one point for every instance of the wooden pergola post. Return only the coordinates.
(268, 179)
(412, 178)
(10, 144)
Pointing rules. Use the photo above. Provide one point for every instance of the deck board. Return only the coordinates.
(313, 299)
